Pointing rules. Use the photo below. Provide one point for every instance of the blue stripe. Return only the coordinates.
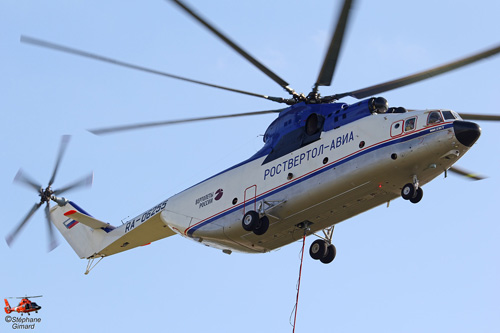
(108, 229)
(78, 208)
(324, 169)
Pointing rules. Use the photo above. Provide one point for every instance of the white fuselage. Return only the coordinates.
(347, 171)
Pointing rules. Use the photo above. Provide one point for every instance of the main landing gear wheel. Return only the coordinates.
(322, 251)
(253, 222)
(318, 249)
(261, 226)
(331, 252)
(250, 220)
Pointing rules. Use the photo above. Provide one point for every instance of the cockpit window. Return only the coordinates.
(410, 124)
(434, 117)
(448, 115)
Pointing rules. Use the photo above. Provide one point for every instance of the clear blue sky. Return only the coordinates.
(431, 267)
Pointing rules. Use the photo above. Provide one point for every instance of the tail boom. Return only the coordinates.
(92, 238)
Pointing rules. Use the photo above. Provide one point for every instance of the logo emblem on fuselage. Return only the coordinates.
(208, 198)
(218, 194)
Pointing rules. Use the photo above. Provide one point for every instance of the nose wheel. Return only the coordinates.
(412, 191)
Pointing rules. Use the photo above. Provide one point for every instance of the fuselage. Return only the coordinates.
(25, 306)
(322, 177)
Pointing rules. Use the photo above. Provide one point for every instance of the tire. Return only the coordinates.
(250, 220)
(330, 254)
(418, 196)
(261, 226)
(408, 191)
(318, 249)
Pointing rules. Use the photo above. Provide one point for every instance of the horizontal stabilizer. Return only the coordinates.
(88, 220)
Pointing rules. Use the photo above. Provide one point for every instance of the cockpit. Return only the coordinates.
(436, 116)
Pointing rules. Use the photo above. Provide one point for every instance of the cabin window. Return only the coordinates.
(397, 128)
(410, 124)
(448, 115)
(434, 118)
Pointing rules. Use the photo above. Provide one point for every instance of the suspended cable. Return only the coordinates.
(294, 311)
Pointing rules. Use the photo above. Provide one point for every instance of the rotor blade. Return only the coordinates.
(468, 174)
(52, 239)
(326, 74)
(10, 238)
(404, 81)
(84, 182)
(23, 178)
(471, 116)
(238, 49)
(99, 131)
(62, 149)
(61, 48)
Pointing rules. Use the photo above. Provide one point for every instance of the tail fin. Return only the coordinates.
(7, 308)
(84, 240)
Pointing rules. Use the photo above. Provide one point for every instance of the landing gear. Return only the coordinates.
(250, 220)
(418, 196)
(253, 222)
(318, 249)
(261, 226)
(408, 191)
(323, 249)
(330, 254)
(412, 191)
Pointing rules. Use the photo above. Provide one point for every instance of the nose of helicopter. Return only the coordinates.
(466, 132)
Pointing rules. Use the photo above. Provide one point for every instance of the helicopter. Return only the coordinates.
(24, 306)
(322, 162)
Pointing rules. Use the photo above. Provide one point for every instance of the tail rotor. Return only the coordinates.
(47, 194)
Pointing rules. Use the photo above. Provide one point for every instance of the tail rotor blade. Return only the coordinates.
(46, 195)
(62, 149)
(52, 239)
(84, 182)
(10, 238)
(22, 178)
